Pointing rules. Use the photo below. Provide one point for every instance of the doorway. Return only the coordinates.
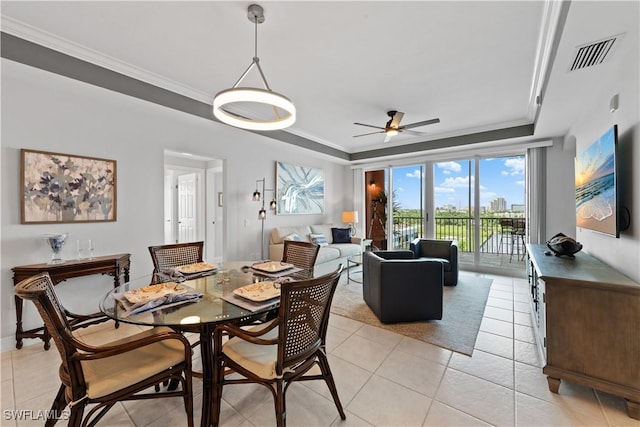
(193, 202)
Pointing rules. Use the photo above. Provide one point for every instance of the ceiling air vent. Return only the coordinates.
(594, 53)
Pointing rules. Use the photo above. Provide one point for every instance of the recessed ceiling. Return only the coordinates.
(477, 66)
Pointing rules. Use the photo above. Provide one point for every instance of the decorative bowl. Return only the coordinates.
(561, 244)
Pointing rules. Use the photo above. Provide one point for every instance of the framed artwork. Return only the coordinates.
(299, 189)
(64, 188)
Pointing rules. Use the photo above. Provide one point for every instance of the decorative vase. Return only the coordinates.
(56, 242)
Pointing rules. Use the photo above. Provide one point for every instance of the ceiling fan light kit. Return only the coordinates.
(265, 96)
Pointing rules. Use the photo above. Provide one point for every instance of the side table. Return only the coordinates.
(112, 265)
(353, 260)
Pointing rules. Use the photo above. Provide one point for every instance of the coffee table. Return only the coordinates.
(353, 260)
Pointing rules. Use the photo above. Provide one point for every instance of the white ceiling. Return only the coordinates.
(476, 65)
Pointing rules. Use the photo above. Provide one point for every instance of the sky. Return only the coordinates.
(499, 177)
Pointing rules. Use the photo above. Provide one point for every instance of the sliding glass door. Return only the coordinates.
(478, 202)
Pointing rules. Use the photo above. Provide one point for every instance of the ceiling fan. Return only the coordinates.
(393, 127)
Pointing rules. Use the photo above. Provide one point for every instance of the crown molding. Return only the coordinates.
(36, 35)
(551, 26)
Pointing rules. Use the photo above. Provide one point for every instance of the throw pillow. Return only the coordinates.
(318, 239)
(293, 236)
(341, 235)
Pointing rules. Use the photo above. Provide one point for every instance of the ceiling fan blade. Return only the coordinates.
(413, 132)
(365, 134)
(395, 121)
(418, 124)
(370, 126)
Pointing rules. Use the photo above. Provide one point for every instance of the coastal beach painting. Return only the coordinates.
(595, 181)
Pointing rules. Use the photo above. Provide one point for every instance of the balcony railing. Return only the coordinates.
(493, 237)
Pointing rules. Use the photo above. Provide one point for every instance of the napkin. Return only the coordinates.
(171, 275)
(167, 300)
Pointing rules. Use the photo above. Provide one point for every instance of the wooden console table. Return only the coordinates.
(586, 318)
(112, 265)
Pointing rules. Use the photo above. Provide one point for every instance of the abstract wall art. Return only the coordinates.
(300, 189)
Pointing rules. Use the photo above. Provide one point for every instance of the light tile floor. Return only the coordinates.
(384, 379)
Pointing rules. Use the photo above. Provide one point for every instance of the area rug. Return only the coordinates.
(463, 308)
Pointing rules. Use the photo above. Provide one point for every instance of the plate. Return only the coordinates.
(258, 292)
(151, 292)
(197, 267)
(272, 266)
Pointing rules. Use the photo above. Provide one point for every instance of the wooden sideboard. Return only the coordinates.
(112, 265)
(586, 317)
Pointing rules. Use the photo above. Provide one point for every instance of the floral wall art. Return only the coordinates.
(65, 188)
(300, 189)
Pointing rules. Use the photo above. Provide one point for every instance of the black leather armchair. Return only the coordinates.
(399, 288)
(445, 251)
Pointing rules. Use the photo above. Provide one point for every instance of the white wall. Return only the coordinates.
(44, 111)
(560, 190)
(623, 253)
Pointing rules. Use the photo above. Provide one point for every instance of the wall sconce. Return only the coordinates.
(351, 218)
(372, 184)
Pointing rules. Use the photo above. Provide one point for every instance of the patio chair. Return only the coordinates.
(282, 351)
(116, 371)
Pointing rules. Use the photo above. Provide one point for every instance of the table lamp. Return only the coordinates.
(351, 218)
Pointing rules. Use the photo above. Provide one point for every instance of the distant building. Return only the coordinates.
(498, 205)
(517, 208)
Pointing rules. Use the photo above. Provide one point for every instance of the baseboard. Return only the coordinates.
(7, 344)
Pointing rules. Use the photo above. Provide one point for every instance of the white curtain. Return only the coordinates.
(536, 174)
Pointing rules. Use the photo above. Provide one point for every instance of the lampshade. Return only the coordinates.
(350, 217)
(256, 196)
(262, 214)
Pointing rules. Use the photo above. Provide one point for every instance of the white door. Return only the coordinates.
(187, 208)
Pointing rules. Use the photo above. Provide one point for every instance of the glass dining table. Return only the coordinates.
(200, 315)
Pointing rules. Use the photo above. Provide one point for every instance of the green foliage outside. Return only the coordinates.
(455, 225)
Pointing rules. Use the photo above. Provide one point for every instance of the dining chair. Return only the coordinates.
(282, 351)
(167, 257)
(302, 255)
(112, 372)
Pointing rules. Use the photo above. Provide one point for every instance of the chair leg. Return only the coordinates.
(281, 411)
(59, 403)
(218, 378)
(187, 389)
(328, 378)
(75, 418)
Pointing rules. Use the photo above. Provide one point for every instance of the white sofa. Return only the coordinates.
(329, 257)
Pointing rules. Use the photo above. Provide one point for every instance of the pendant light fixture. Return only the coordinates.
(284, 112)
